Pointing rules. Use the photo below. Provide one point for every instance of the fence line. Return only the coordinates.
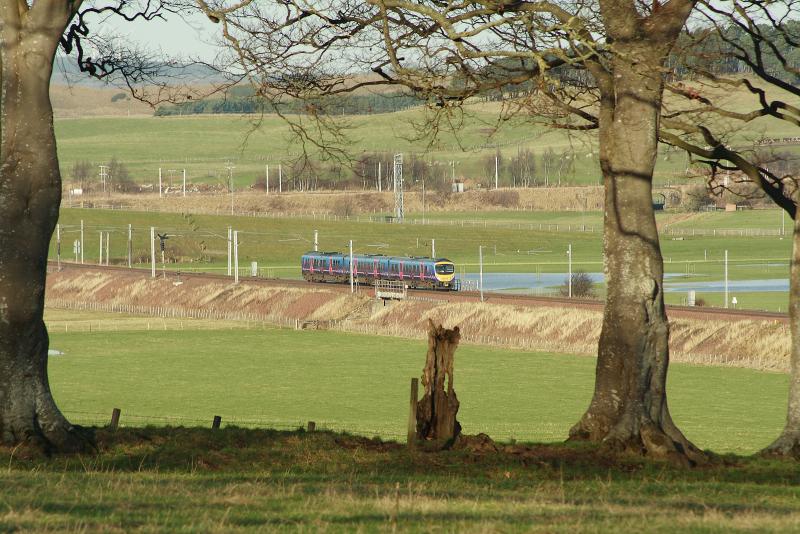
(461, 223)
(373, 218)
(254, 423)
(418, 332)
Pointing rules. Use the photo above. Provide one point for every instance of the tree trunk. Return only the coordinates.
(788, 443)
(436, 412)
(629, 408)
(30, 194)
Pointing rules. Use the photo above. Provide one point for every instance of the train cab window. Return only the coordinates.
(446, 268)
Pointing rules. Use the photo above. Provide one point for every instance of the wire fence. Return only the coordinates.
(499, 430)
(344, 325)
(97, 419)
(376, 217)
(174, 312)
(540, 431)
(398, 330)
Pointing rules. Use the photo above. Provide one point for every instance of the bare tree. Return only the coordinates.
(80, 174)
(549, 159)
(491, 164)
(579, 285)
(745, 45)
(450, 52)
(30, 34)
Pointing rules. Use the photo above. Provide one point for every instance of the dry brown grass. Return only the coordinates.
(79, 101)
(753, 344)
(330, 203)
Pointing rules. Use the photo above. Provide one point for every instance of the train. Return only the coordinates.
(415, 272)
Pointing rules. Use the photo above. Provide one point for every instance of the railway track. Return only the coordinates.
(704, 313)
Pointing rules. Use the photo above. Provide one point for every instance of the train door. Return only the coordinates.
(401, 270)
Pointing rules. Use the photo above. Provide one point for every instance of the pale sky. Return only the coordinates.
(191, 37)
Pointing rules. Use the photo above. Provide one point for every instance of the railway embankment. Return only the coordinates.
(558, 327)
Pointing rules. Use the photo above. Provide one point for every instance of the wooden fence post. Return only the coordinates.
(215, 424)
(312, 426)
(115, 413)
(412, 413)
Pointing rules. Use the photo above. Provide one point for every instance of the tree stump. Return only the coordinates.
(436, 411)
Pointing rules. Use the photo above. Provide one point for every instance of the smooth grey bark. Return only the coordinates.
(629, 409)
(788, 443)
(30, 194)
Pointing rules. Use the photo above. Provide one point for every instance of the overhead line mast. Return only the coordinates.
(399, 210)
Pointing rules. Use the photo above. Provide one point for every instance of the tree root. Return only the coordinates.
(786, 446)
(645, 439)
(62, 438)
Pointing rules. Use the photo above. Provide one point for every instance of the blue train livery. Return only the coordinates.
(415, 272)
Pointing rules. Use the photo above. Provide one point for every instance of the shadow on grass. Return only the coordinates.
(324, 454)
(202, 479)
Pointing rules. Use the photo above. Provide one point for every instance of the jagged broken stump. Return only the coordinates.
(436, 411)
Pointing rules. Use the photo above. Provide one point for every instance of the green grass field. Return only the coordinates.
(283, 378)
(200, 242)
(760, 219)
(772, 219)
(175, 375)
(235, 480)
(204, 145)
(748, 300)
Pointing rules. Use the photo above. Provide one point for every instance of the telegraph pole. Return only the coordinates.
(352, 288)
(316, 240)
(152, 252)
(162, 242)
(380, 186)
(433, 248)
(423, 200)
(159, 182)
(480, 276)
(104, 175)
(230, 168)
(569, 262)
(101, 247)
(726, 278)
(267, 174)
(108, 246)
(81, 241)
(236, 256)
(58, 245)
(496, 165)
(184, 182)
(230, 242)
(280, 178)
(130, 245)
(399, 208)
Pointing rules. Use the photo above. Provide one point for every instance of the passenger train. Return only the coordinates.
(416, 272)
